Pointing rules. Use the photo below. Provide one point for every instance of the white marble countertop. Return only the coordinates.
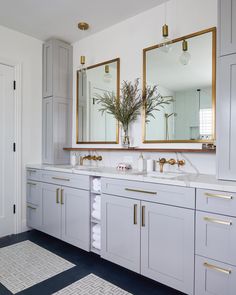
(204, 181)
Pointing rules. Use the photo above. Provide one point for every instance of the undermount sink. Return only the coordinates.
(169, 175)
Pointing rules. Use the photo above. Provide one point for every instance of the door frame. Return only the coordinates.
(17, 67)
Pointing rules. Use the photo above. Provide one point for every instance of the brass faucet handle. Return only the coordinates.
(99, 158)
(162, 161)
(181, 162)
(172, 162)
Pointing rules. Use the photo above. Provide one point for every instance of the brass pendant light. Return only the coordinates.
(166, 42)
(83, 26)
(185, 56)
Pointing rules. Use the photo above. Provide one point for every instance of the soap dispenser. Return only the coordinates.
(141, 163)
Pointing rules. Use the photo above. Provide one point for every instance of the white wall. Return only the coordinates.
(127, 39)
(20, 49)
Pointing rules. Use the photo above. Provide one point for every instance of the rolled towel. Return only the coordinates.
(96, 238)
(97, 184)
(96, 229)
(96, 245)
(97, 198)
(97, 206)
(96, 214)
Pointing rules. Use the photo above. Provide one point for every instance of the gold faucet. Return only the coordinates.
(90, 158)
(163, 161)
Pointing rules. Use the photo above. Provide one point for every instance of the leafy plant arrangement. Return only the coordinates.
(128, 106)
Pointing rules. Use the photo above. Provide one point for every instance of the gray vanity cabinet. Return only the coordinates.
(57, 69)
(227, 26)
(51, 210)
(56, 124)
(65, 214)
(121, 231)
(226, 131)
(167, 245)
(75, 217)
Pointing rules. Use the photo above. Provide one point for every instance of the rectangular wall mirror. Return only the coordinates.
(185, 75)
(93, 126)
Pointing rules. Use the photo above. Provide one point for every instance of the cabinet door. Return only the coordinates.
(51, 210)
(167, 245)
(226, 132)
(47, 68)
(47, 134)
(216, 237)
(75, 217)
(121, 231)
(62, 69)
(227, 20)
(214, 278)
(61, 130)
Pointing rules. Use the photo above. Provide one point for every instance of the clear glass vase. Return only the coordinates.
(125, 139)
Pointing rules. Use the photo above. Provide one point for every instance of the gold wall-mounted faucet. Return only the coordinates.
(90, 158)
(163, 161)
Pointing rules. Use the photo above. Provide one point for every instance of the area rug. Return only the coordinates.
(92, 285)
(25, 264)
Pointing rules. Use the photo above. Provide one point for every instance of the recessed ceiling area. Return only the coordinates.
(44, 19)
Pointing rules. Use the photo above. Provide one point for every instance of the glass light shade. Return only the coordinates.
(166, 45)
(185, 58)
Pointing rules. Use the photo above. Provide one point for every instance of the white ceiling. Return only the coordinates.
(44, 19)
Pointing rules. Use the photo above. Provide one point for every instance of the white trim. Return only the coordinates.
(18, 135)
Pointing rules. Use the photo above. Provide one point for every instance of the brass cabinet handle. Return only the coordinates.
(59, 178)
(57, 195)
(30, 207)
(62, 201)
(219, 221)
(31, 183)
(209, 195)
(217, 268)
(135, 213)
(140, 191)
(143, 216)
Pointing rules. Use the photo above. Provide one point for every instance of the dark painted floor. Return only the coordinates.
(86, 263)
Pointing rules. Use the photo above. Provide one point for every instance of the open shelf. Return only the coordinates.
(148, 150)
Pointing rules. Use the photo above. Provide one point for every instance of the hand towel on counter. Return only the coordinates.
(96, 214)
(96, 245)
(96, 184)
(96, 229)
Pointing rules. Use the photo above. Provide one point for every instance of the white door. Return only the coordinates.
(7, 135)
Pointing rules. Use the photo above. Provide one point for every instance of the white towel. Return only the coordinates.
(97, 206)
(96, 245)
(97, 184)
(96, 238)
(96, 214)
(96, 229)
(97, 198)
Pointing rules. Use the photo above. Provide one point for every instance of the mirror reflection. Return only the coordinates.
(185, 74)
(94, 126)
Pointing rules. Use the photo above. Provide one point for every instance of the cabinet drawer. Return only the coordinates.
(34, 216)
(33, 174)
(216, 201)
(214, 278)
(66, 179)
(216, 237)
(33, 195)
(159, 193)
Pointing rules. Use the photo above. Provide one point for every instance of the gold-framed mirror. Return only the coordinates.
(93, 126)
(187, 75)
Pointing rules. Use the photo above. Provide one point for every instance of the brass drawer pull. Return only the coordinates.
(135, 213)
(31, 183)
(209, 195)
(62, 201)
(143, 216)
(140, 191)
(57, 196)
(30, 207)
(59, 178)
(213, 267)
(219, 221)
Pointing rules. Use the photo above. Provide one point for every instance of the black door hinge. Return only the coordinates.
(14, 209)
(14, 85)
(14, 147)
